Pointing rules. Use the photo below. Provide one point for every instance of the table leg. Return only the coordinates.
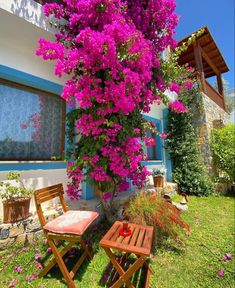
(122, 260)
(127, 275)
(119, 269)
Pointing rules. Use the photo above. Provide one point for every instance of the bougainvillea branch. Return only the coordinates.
(112, 51)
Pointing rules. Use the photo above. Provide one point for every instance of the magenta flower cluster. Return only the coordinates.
(20, 270)
(174, 87)
(111, 49)
(177, 106)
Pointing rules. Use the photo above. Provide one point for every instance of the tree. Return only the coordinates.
(112, 51)
(223, 152)
(229, 99)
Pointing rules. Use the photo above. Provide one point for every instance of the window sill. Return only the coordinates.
(152, 162)
(30, 161)
(32, 165)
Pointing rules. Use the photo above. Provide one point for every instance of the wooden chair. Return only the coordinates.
(70, 226)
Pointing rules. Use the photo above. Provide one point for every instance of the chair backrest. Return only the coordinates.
(45, 194)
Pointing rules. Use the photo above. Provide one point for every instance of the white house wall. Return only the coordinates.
(28, 10)
(18, 45)
(39, 179)
(156, 111)
(18, 42)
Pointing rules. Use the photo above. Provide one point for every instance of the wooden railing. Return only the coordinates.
(214, 95)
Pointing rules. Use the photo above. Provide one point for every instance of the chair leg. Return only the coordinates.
(84, 246)
(77, 265)
(61, 264)
(52, 262)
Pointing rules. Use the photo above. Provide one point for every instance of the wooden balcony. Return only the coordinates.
(214, 95)
(205, 57)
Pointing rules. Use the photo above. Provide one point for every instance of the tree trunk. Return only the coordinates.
(109, 211)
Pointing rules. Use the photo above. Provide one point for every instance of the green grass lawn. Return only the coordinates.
(193, 263)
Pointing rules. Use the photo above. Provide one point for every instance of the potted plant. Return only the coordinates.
(158, 176)
(16, 198)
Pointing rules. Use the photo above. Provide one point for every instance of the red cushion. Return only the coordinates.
(74, 222)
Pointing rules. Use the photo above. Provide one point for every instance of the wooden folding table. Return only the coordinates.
(138, 243)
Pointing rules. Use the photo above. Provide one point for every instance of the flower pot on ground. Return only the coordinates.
(158, 176)
(158, 181)
(16, 210)
(16, 198)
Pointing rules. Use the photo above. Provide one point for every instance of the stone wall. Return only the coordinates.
(24, 231)
(211, 116)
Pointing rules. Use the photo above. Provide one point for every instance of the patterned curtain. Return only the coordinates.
(31, 124)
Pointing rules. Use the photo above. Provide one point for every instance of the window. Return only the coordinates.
(151, 150)
(155, 152)
(31, 123)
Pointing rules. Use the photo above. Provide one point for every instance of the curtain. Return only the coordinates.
(31, 124)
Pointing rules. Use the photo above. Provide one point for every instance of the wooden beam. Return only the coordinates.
(187, 57)
(199, 64)
(207, 70)
(209, 62)
(198, 57)
(213, 52)
(209, 46)
(220, 84)
(208, 75)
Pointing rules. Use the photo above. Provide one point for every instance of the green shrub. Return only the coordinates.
(188, 170)
(223, 150)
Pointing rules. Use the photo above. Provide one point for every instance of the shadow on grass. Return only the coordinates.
(167, 244)
(110, 275)
(92, 238)
(230, 194)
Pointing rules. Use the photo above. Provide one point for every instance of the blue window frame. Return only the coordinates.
(32, 123)
(155, 153)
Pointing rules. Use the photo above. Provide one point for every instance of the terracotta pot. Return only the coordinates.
(16, 210)
(158, 181)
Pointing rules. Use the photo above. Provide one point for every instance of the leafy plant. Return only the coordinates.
(223, 152)
(148, 209)
(158, 172)
(188, 170)
(228, 96)
(12, 191)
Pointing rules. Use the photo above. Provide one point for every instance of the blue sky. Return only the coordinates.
(219, 17)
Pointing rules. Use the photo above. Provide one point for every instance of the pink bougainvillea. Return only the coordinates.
(164, 135)
(174, 87)
(112, 51)
(188, 85)
(177, 107)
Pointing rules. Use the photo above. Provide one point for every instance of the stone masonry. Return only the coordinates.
(212, 116)
(24, 231)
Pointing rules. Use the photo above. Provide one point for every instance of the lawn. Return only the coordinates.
(193, 263)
